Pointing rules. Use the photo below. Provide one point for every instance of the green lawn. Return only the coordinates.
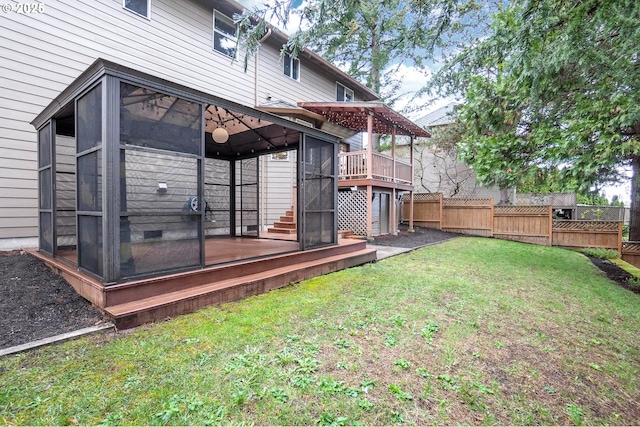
(471, 331)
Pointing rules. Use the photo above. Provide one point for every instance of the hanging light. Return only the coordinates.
(220, 135)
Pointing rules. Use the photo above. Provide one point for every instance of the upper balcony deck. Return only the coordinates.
(385, 171)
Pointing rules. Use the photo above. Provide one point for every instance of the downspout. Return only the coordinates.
(262, 219)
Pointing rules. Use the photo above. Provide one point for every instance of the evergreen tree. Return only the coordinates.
(553, 94)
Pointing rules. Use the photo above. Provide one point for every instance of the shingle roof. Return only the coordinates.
(441, 116)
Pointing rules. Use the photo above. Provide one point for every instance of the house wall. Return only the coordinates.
(439, 172)
(42, 53)
(314, 84)
(278, 176)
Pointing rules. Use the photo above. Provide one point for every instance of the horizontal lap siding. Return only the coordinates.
(43, 53)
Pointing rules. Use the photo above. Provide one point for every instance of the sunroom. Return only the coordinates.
(140, 177)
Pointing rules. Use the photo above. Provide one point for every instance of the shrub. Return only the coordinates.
(601, 253)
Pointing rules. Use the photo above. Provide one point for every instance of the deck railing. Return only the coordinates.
(353, 165)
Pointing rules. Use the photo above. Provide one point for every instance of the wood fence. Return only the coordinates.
(529, 224)
(631, 253)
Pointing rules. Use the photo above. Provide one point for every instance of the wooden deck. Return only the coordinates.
(278, 263)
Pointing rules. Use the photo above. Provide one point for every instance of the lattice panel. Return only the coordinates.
(352, 211)
(631, 247)
(586, 225)
(600, 213)
(521, 210)
(420, 197)
(467, 202)
(553, 199)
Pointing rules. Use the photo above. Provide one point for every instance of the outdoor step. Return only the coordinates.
(151, 287)
(282, 230)
(279, 224)
(290, 213)
(134, 313)
(287, 219)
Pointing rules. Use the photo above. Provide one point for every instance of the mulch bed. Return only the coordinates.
(36, 303)
(419, 237)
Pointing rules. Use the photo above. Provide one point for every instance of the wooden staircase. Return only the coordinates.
(286, 225)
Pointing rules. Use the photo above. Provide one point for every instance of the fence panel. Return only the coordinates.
(588, 234)
(631, 253)
(468, 216)
(427, 209)
(528, 224)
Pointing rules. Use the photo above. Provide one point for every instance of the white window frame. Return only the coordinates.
(345, 91)
(294, 64)
(234, 38)
(147, 16)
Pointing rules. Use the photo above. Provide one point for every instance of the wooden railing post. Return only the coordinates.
(369, 144)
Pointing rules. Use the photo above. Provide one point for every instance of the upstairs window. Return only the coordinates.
(291, 67)
(343, 93)
(140, 7)
(224, 34)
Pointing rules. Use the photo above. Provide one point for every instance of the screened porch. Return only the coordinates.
(140, 177)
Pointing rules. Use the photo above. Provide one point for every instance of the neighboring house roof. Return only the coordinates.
(441, 116)
(354, 115)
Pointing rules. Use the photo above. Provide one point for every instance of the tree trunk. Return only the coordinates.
(634, 222)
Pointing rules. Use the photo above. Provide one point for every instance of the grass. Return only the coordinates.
(601, 253)
(471, 331)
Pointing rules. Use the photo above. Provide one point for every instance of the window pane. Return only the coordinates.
(153, 119)
(224, 44)
(287, 65)
(89, 119)
(90, 243)
(224, 35)
(138, 6)
(225, 26)
(296, 67)
(44, 146)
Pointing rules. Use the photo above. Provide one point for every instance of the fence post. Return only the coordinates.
(550, 225)
(620, 238)
(492, 214)
(440, 201)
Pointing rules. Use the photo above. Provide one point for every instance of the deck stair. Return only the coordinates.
(134, 303)
(286, 225)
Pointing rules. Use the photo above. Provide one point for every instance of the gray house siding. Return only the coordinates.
(42, 53)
